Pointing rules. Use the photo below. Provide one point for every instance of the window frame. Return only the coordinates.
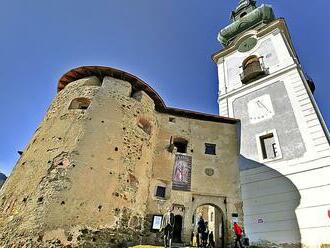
(171, 119)
(260, 149)
(145, 125)
(156, 189)
(206, 145)
(182, 141)
(80, 101)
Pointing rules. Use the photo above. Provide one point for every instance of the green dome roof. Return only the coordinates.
(246, 16)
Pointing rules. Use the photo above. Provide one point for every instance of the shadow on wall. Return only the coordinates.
(269, 203)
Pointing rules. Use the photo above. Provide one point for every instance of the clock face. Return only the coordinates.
(260, 109)
(247, 44)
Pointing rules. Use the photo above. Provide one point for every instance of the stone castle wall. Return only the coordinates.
(87, 177)
(215, 178)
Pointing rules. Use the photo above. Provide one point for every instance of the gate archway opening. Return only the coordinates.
(214, 217)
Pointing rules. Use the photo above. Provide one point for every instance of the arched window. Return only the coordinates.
(250, 60)
(145, 125)
(80, 103)
(252, 69)
(243, 14)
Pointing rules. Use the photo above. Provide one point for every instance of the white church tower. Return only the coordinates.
(285, 152)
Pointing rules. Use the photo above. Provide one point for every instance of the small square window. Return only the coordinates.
(268, 146)
(160, 191)
(210, 149)
(171, 119)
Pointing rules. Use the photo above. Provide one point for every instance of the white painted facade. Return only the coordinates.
(286, 200)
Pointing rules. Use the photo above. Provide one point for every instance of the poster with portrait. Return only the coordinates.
(181, 179)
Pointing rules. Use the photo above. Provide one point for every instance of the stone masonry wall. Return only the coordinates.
(221, 188)
(83, 179)
(88, 176)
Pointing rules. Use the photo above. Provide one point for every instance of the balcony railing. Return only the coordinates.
(253, 69)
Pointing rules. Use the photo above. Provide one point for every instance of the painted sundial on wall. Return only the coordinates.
(247, 44)
(260, 109)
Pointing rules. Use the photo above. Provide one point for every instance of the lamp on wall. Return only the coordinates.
(171, 145)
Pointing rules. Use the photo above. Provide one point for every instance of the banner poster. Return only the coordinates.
(181, 179)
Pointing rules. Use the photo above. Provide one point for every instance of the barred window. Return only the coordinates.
(160, 191)
(210, 149)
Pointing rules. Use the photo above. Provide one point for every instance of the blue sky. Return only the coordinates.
(167, 43)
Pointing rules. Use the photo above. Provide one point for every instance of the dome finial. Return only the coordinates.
(247, 2)
(244, 7)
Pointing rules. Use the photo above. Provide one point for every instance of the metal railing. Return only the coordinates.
(254, 70)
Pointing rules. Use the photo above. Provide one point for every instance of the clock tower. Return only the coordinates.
(285, 152)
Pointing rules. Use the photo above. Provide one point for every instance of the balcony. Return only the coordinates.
(253, 69)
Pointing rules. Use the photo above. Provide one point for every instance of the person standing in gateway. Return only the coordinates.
(167, 227)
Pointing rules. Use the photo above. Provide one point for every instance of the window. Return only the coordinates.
(243, 14)
(80, 103)
(268, 146)
(145, 125)
(137, 95)
(171, 119)
(181, 145)
(160, 191)
(210, 149)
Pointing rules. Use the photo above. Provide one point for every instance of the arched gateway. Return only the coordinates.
(213, 218)
(214, 210)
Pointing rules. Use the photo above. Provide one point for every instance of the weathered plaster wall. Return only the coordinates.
(38, 179)
(83, 171)
(221, 189)
(88, 176)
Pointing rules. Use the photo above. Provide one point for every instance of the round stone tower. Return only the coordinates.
(83, 180)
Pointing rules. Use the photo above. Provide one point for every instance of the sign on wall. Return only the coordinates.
(156, 222)
(234, 217)
(260, 220)
(181, 179)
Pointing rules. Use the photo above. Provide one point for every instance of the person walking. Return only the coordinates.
(205, 235)
(211, 240)
(200, 230)
(238, 232)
